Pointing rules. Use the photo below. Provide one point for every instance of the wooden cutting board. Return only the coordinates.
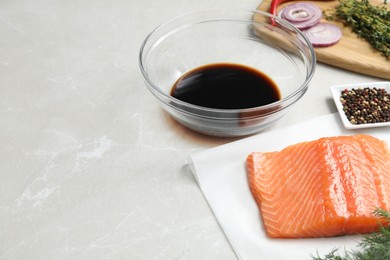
(350, 53)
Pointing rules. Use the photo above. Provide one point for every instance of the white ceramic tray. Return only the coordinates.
(336, 93)
(222, 177)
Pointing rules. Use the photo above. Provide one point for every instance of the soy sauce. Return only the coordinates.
(226, 86)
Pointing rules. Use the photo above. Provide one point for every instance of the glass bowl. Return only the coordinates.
(229, 36)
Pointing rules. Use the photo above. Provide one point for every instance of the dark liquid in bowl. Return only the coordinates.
(226, 86)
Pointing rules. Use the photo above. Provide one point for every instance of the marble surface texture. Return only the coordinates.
(91, 167)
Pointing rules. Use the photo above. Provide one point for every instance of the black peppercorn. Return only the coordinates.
(366, 105)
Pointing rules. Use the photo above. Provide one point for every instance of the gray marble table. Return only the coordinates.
(90, 166)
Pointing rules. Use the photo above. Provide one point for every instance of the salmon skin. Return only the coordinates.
(322, 188)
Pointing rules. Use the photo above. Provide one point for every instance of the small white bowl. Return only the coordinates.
(336, 93)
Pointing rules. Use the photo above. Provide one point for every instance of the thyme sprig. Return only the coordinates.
(369, 22)
(373, 246)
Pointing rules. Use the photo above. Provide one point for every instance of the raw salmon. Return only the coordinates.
(321, 188)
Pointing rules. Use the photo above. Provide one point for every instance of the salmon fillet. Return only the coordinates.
(322, 188)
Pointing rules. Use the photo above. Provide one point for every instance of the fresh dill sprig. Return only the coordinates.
(375, 246)
(369, 22)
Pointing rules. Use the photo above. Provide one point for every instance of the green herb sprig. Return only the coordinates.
(369, 22)
(375, 246)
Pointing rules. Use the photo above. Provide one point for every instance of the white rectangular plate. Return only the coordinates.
(222, 177)
(336, 93)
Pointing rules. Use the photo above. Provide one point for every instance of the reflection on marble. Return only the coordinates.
(91, 167)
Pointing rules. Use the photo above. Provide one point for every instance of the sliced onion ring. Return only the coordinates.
(301, 14)
(323, 34)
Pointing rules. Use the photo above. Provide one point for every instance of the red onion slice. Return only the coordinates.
(323, 34)
(301, 14)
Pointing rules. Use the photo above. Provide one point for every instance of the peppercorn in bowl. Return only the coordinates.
(363, 105)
